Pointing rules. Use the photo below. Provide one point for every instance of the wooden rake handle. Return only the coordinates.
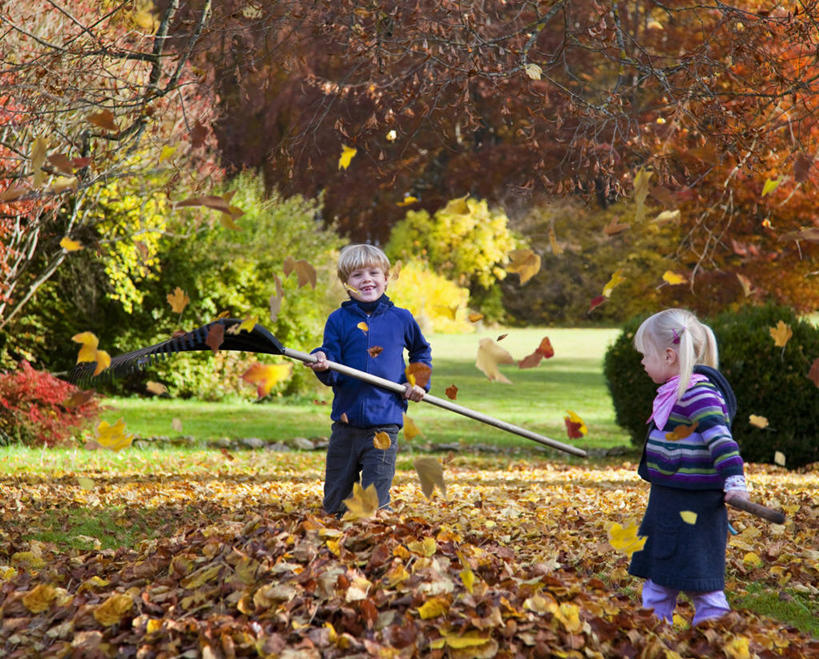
(440, 402)
(775, 516)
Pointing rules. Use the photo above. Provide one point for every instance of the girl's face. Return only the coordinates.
(661, 365)
(369, 283)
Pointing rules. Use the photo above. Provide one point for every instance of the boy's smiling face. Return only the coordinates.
(369, 283)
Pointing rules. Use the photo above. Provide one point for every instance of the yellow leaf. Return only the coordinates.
(363, 503)
(490, 354)
(144, 16)
(771, 185)
(533, 71)
(660, 120)
(391, 135)
(641, 179)
(40, 598)
(779, 458)
(432, 608)
(781, 334)
(525, 262)
(654, 24)
(537, 603)
(557, 250)
(85, 483)
(752, 559)
(347, 154)
(88, 351)
(156, 388)
(474, 317)
(38, 155)
(305, 273)
(581, 425)
(113, 437)
(431, 474)
(758, 421)
(425, 547)
(411, 430)
(7, 573)
(248, 324)
(266, 376)
(70, 245)
(363, 326)
(616, 279)
(112, 610)
(738, 648)
(407, 200)
(167, 152)
(103, 360)
(396, 574)
(470, 639)
(468, 578)
(178, 300)
(381, 441)
(688, 516)
(625, 538)
(667, 216)
(418, 373)
(569, 616)
(673, 278)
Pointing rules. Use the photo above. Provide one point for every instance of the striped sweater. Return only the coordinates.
(695, 450)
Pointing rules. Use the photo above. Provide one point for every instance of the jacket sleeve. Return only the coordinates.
(331, 347)
(418, 347)
(713, 427)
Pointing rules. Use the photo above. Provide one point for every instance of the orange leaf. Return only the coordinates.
(178, 300)
(363, 326)
(781, 334)
(305, 273)
(103, 119)
(681, 432)
(530, 361)
(266, 376)
(344, 418)
(452, 391)
(614, 227)
(474, 317)
(375, 351)
(381, 441)
(418, 373)
(411, 430)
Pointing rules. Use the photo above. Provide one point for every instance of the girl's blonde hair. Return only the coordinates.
(355, 257)
(678, 329)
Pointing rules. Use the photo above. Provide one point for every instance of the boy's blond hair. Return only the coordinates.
(355, 257)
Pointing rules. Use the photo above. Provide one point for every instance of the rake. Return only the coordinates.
(260, 340)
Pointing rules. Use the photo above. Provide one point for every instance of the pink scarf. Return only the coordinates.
(667, 397)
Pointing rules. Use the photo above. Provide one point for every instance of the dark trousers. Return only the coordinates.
(351, 456)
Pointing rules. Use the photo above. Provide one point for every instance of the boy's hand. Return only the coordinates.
(736, 495)
(413, 392)
(321, 362)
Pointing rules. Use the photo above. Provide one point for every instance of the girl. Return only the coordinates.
(690, 459)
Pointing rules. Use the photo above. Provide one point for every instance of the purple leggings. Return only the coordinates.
(707, 606)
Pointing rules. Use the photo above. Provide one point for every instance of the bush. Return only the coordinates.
(768, 381)
(35, 408)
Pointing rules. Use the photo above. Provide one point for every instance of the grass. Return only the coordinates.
(787, 605)
(537, 400)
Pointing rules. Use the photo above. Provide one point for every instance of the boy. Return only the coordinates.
(369, 333)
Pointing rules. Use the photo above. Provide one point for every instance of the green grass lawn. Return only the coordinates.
(537, 399)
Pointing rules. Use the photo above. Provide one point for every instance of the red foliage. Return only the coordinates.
(40, 410)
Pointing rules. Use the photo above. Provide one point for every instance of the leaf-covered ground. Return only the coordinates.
(222, 558)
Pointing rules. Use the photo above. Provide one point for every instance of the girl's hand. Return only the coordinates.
(736, 495)
(413, 392)
(321, 362)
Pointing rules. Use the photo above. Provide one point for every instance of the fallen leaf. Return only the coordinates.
(681, 432)
(781, 334)
(452, 392)
(215, 337)
(625, 538)
(40, 598)
(178, 300)
(381, 441)
(433, 608)
(490, 355)
(362, 504)
(738, 648)
(112, 610)
(525, 263)
(431, 474)
(418, 373)
(266, 376)
(688, 516)
(305, 273)
(374, 351)
(758, 421)
(347, 154)
(227, 454)
(70, 245)
(85, 483)
(411, 430)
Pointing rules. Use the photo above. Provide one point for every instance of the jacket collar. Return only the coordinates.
(384, 303)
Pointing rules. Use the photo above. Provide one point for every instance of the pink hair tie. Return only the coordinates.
(676, 340)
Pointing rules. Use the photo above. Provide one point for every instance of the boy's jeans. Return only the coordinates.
(350, 453)
(663, 600)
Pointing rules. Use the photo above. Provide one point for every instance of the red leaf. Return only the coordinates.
(530, 361)
(216, 335)
(545, 348)
(573, 428)
(813, 374)
(596, 302)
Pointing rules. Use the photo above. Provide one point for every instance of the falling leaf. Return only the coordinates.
(391, 135)
(113, 437)
(557, 250)
(533, 71)
(771, 185)
(811, 234)
(490, 354)
(78, 399)
(524, 262)
(374, 351)
(363, 326)
(451, 392)
(431, 473)
(247, 325)
(61, 162)
(70, 245)
(38, 154)
(155, 388)
(813, 374)
(275, 301)
(625, 538)
(681, 432)
(266, 376)
(103, 119)
(575, 428)
(781, 334)
(228, 213)
(801, 167)
(362, 504)
(501, 337)
(112, 610)
(144, 16)
(758, 421)
(616, 278)
(176, 424)
(407, 200)
(449, 312)
(614, 227)
(474, 317)
(641, 179)
(178, 300)
(543, 351)
(411, 430)
(747, 287)
(215, 337)
(381, 441)
(688, 516)
(779, 458)
(167, 152)
(667, 216)
(343, 418)
(596, 302)
(62, 183)
(347, 154)
(305, 273)
(673, 279)
(13, 192)
(88, 351)
(103, 360)
(418, 373)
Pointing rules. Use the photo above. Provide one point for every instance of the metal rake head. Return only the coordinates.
(259, 339)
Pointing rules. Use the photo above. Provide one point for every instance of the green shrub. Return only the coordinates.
(768, 381)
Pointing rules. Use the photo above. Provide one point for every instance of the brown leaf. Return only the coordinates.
(13, 192)
(344, 418)
(614, 227)
(80, 397)
(216, 335)
(275, 301)
(62, 162)
(198, 134)
(418, 373)
(501, 337)
(431, 473)
(305, 273)
(451, 392)
(813, 374)
(801, 167)
(103, 119)
(374, 351)
(811, 234)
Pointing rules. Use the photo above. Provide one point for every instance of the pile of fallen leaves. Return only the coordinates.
(514, 562)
